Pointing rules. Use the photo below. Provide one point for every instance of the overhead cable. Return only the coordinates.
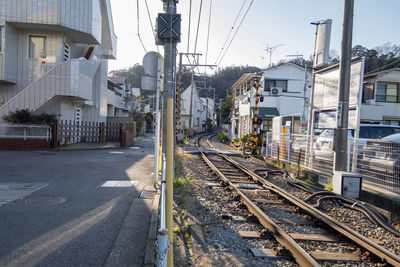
(151, 24)
(138, 27)
(190, 19)
(241, 22)
(208, 34)
(229, 34)
(198, 27)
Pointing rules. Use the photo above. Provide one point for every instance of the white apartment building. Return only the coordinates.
(117, 105)
(54, 57)
(282, 92)
(200, 110)
(381, 97)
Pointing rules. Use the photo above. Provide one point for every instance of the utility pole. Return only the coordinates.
(342, 117)
(169, 34)
(192, 66)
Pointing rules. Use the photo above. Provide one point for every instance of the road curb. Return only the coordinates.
(152, 238)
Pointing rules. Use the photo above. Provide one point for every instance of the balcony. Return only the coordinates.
(81, 20)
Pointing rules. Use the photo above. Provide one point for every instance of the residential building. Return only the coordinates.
(381, 97)
(202, 110)
(282, 92)
(121, 82)
(54, 57)
(209, 116)
(117, 105)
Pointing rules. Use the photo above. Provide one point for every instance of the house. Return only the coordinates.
(196, 122)
(54, 57)
(282, 92)
(203, 111)
(121, 82)
(381, 97)
(208, 117)
(117, 105)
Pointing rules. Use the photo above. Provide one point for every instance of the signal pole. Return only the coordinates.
(168, 34)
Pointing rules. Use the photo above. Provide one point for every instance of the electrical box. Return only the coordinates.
(347, 184)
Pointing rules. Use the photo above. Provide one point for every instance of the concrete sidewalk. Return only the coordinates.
(90, 146)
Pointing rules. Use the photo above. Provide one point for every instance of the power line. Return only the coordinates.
(151, 24)
(241, 22)
(208, 34)
(190, 19)
(138, 27)
(198, 26)
(229, 34)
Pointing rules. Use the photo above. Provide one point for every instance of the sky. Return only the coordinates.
(268, 22)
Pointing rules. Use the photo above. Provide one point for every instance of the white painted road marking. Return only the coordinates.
(119, 184)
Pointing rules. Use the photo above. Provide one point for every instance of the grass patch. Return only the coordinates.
(329, 187)
(311, 182)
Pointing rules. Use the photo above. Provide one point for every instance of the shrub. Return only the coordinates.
(222, 137)
(24, 116)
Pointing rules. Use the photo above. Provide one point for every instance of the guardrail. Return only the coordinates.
(162, 244)
(25, 132)
(377, 160)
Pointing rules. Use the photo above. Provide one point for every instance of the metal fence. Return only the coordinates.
(377, 160)
(69, 132)
(25, 132)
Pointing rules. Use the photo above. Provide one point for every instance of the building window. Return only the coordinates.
(37, 46)
(387, 92)
(368, 92)
(268, 84)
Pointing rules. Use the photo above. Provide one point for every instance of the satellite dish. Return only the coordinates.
(150, 63)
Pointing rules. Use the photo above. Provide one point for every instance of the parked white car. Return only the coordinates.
(323, 144)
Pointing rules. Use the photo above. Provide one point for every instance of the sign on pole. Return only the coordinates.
(326, 95)
(322, 42)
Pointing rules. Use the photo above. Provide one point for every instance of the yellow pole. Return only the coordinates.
(169, 178)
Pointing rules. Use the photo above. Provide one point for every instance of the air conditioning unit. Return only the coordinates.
(276, 91)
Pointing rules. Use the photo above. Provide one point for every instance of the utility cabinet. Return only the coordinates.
(347, 184)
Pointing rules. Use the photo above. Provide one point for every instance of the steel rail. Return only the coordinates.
(357, 238)
(301, 256)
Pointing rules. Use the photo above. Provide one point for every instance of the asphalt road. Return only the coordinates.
(54, 210)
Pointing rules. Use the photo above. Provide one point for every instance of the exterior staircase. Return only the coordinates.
(69, 78)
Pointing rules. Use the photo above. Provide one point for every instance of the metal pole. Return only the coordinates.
(157, 134)
(310, 127)
(303, 116)
(162, 238)
(169, 123)
(170, 177)
(191, 102)
(342, 116)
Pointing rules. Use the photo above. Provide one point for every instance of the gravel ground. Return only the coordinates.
(224, 245)
(354, 219)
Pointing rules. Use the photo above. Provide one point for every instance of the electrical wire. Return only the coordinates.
(229, 34)
(138, 27)
(190, 19)
(198, 27)
(208, 35)
(240, 24)
(151, 24)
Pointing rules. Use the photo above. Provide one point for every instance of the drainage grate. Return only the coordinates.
(147, 194)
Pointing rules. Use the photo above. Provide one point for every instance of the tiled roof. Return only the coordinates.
(117, 80)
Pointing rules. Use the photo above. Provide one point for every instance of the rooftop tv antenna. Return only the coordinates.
(271, 49)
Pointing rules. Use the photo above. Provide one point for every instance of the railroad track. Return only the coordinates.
(297, 226)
